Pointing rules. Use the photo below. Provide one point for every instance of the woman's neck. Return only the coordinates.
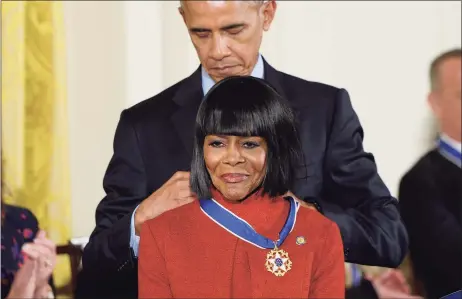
(265, 214)
(255, 194)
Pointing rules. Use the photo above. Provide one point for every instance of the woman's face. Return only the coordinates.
(236, 165)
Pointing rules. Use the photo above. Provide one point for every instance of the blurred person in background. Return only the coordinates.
(430, 192)
(149, 171)
(28, 256)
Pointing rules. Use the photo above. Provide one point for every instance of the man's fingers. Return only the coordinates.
(180, 175)
(177, 182)
(181, 184)
(186, 200)
(178, 202)
(183, 193)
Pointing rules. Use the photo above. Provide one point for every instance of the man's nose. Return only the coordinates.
(220, 48)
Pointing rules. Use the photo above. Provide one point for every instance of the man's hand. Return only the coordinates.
(302, 203)
(173, 194)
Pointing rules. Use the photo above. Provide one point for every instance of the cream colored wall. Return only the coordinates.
(96, 96)
(123, 52)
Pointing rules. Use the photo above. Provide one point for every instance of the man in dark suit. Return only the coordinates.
(431, 191)
(148, 173)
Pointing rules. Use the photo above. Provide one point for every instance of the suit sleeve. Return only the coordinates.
(152, 272)
(435, 234)
(108, 254)
(329, 273)
(365, 211)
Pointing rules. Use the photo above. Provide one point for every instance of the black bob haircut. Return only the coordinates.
(248, 106)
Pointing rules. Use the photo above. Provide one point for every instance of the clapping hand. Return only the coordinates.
(31, 280)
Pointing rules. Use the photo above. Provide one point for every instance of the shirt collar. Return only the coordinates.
(207, 81)
(451, 142)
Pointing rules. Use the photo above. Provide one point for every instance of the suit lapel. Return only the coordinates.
(188, 98)
(274, 78)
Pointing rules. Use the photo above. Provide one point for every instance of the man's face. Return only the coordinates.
(445, 100)
(227, 34)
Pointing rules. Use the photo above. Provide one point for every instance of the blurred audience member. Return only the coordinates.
(28, 257)
(431, 191)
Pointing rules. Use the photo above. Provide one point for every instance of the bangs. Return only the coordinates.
(235, 122)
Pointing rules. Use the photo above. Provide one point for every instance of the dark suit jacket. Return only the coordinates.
(431, 206)
(154, 140)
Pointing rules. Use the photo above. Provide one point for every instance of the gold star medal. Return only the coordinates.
(278, 261)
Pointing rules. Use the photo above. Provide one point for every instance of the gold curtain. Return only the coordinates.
(34, 117)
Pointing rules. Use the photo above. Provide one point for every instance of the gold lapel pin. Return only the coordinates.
(300, 240)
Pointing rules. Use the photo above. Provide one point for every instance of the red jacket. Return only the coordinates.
(184, 254)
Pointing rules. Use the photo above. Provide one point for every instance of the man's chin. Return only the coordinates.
(217, 76)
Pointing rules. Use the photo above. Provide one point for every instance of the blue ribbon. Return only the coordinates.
(241, 229)
(455, 295)
(449, 152)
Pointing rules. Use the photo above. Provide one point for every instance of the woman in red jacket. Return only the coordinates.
(243, 238)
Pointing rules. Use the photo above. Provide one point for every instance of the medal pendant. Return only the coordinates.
(278, 262)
